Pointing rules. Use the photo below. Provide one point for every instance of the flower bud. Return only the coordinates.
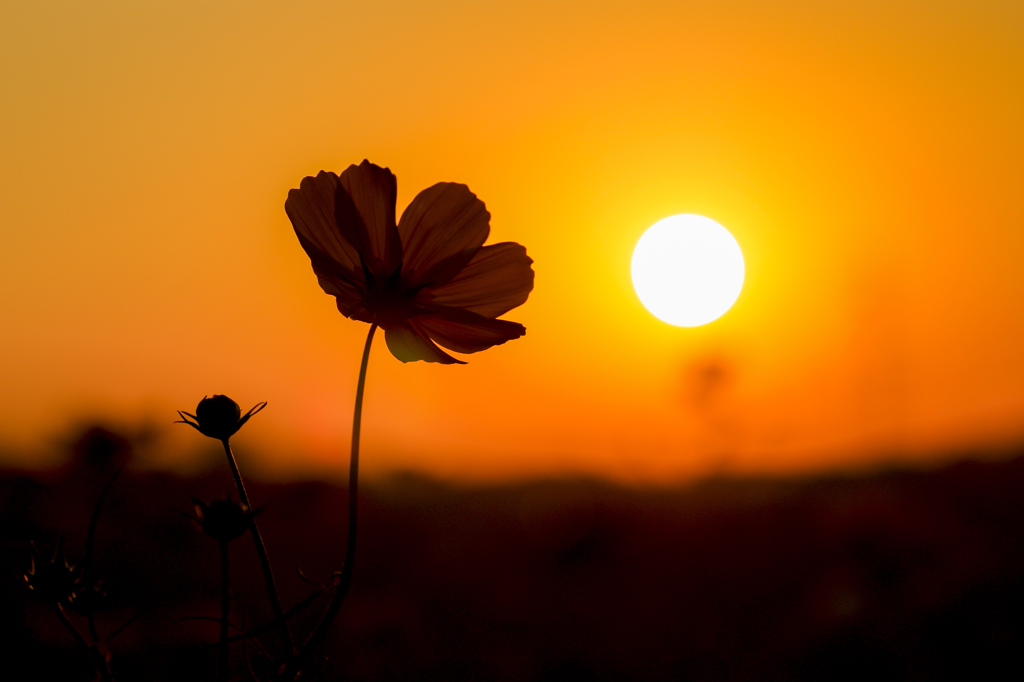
(223, 520)
(218, 417)
(52, 580)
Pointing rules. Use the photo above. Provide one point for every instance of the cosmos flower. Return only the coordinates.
(427, 279)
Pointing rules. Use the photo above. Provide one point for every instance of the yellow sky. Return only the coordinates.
(868, 157)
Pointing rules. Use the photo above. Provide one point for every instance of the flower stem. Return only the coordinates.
(90, 544)
(261, 551)
(225, 598)
(99, 659)
(70, 627)
(344, 581)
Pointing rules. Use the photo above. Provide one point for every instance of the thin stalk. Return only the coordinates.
(99, 660)
(93, 632)
(345, 580)
(70, 627)
(261, 551)
(225, 600)
(90, 544)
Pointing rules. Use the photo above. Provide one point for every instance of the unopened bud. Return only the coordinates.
(223, 520)
(218, 417)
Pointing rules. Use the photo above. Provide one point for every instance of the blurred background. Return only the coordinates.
(825, 476)
(866, 155)
(896, 575)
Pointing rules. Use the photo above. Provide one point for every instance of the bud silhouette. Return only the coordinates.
(52, 580)
(223, 520)
(218, 417)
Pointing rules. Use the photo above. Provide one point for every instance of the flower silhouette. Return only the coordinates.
(223, 520)
(218, 417)
(427, 279)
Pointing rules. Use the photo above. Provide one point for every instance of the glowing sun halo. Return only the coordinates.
(687, 270)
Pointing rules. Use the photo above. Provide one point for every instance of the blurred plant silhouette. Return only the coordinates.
(900, 574)
(63, 585)
(98, 451)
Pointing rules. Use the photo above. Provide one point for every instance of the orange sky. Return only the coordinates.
(867, 155)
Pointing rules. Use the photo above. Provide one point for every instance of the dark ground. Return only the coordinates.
(901, 575)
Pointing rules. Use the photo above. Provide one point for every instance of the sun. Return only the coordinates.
(687, 270)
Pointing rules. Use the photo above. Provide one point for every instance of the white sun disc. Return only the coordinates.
(687, 270)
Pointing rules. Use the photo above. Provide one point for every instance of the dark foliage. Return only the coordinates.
(901, 575)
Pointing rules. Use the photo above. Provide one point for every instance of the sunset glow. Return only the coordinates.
(867, 157)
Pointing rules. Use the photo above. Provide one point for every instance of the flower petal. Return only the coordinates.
(496, 280)
(466, 332)
(373, 192)
(348, 295)
(441, 230)
(311, 209)
(408, 346)
(337, 280)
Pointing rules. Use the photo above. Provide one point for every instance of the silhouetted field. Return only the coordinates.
(900, 575)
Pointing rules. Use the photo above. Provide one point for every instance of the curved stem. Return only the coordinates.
(353, 476)
(345, 579)
(225, 599)
(261, 551)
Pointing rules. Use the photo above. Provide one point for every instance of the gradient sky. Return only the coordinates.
(867, 155)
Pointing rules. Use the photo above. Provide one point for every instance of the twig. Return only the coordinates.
(260, 629)
(124, 626)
